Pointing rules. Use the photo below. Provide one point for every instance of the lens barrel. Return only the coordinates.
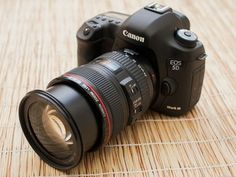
(75, 113)
(85, 107)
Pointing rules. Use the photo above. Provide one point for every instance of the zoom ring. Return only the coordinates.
(136, 72)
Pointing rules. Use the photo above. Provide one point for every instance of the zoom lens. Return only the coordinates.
(85, 107)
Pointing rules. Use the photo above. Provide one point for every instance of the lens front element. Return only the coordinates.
(51, 130)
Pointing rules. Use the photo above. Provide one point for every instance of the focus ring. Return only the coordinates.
(110, 95)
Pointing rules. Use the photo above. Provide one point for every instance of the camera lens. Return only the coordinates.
(59, 124)
(85, 107)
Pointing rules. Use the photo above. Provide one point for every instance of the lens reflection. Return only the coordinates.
(51, 130)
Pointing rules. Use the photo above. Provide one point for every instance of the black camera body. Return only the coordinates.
(161, 35)
(127, 64)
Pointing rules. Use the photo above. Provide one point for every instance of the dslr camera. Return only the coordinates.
(127, 64)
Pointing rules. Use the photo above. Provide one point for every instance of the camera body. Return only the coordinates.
(127, 64)
(161, 35)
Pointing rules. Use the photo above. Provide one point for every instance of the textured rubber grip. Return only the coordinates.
(112, 96)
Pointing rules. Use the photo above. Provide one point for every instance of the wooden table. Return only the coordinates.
(38, 43)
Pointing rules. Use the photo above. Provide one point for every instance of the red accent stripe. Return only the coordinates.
(99, 98)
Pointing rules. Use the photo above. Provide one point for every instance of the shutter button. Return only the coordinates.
(188, 33)
(86, 31)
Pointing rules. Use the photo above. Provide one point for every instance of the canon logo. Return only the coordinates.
(133, 36)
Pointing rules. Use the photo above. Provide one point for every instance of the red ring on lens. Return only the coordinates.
(107, 117)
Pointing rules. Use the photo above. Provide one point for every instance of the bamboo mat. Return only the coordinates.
(37, 43)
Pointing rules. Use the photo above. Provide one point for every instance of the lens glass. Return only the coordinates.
(51, 130)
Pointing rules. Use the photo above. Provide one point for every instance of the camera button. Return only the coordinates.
(202, 57)
(110, 21)
(86, 31)
(117, 22)
(104, 18)
(168, 87)
(165, 88)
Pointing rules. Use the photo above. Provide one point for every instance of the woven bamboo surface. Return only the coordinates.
(37, 43)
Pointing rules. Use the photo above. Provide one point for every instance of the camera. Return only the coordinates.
(127, 65)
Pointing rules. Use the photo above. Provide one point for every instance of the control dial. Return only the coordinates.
(186, 38)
